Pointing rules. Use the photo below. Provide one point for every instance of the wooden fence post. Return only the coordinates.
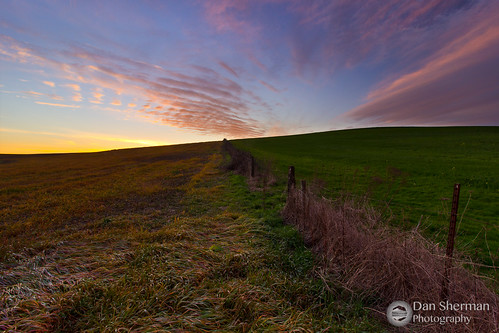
(450, 241)
(291, 179)
(252, 166)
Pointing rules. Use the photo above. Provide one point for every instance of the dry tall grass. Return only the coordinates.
(152, 240)
(369, 257)
(241, 161)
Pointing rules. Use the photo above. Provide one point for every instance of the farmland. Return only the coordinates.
(408, 173)
(164, 238)
(155, 239)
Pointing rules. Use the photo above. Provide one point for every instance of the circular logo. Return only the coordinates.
(399, 313)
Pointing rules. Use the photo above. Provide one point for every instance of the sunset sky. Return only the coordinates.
(95, 75)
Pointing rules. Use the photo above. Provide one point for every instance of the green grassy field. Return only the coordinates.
(156, 239)
(408, 173)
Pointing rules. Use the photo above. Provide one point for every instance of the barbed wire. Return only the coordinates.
(247, 163)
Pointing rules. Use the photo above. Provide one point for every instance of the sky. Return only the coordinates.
(85, 75)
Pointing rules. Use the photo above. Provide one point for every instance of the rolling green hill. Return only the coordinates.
(408, 173)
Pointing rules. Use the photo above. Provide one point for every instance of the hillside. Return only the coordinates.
(408, 173)
(155, 239)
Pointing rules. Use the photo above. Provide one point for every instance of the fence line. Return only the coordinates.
(370, 257)
(412, 212)
(244, 163)
(241, 161)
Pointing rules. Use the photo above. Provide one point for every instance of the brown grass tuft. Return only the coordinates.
(369, 257)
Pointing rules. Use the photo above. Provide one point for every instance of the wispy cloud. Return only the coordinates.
(229, 16)
(77, 97)
(416, 62)
(269, 86)
(73, 86)
(457, 85)
(343, 34)
(35, 93)
(58, 105)
(228, 68)
(39, 94)
(97, 94)
(199, 99)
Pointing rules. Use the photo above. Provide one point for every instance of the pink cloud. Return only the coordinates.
(257, 62)
(35, 93)
(332, 35)
(77, 97)
(73, 86)
(456, 85)
(269, 86)
(228, 68)
(225, 16)
(58, 105)
(199, 98)
(98, 95)
(38, 94)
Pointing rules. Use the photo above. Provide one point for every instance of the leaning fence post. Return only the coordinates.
(450, 241)
(291, 179)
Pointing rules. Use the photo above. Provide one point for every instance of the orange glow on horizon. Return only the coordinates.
(13, 141)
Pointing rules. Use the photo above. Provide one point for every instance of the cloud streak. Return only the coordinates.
(59, 105)
(37, 94)
(456, 86)
(331, 35)
(77, 97)
(231, 16)
(73, 86)
(97, 94)
(252, 68)
(203, 101)
(438, 58)
(269, 86)
(228, 68)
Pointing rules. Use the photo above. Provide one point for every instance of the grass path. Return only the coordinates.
(206, 257)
